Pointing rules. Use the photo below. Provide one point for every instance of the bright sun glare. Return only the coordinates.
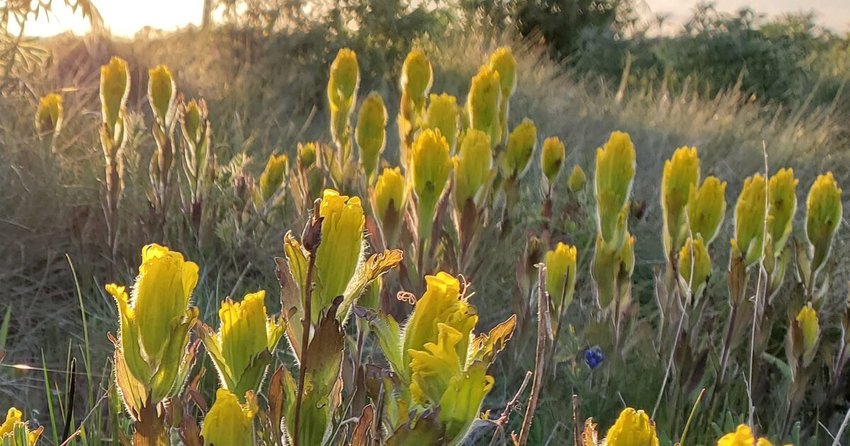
(122, 17)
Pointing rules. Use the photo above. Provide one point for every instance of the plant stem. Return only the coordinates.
(305, 341)
(537, 383)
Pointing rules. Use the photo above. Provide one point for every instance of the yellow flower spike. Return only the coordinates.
(228, 423)
(632, 428)
(344, 80)
(615, 171)
(443, 115)
(502, 60)
(577, 180)
(161, 92)
(49, 115)
(561, 274)
(389, 191)
(307, 155)
(782, 193)
(485, 95)
(472, 166)
(273, 176)
(371, 132)
(749, 219)
(440, 305)
(341, 249)
(431, 168)
(114, 90)
(823, 214)
(742, 436)
(552, 158)
(15, 421)
(416, 77)
(433, 367)
(706, 208)
(193, 115)
(694, 265)
(241, 350)
(521, 143)
(161, 297)
(680, 175)
(807, 320)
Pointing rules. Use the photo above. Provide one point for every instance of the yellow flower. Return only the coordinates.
(416, 76)
(114, 90)
(782, 192)
(389, 191)
(521, 144)
(161, 92)
(228, 423)
(14, 420)
(632, 428)
(681, 174)
(577, 180)
(561, 274)
(615, 171)
(706, 208)
(344, 80)
(273, 176)
(807, 320)
(502, 60)
(306, 155)
(430, 170)
(341, 248)
(472, 166)
(694, 273)
(742, 436)
(241, 350)
(155, 325)
(485, 95)
(48, 117)
(552, 158)
(193, 115)
(371, 132)
(749, 219)
(823, 214)
(442, 115)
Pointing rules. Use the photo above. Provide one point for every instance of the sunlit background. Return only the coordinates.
(127, 17)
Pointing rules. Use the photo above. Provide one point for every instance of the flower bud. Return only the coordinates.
(273, 176)
(472, 166)
(681, 173)
(344, 80)
(502, 60)
(307, 155)
(442, 115)
(485, 94)
(749, 219)
(552, 158)
(706, 208)
(742, 436)
(229, 423)
(615, 171)
(823, 214)
(48, 117)
(807, 320)
(389, 191)
(561, 274)
(430, 170)
(632, 428)
(15, 424)
(114, 90)
(694, 265)
(161, 92)
(340, 250)
(782, 192)
(577, 180)
(371, 132)
(521, 144)
(416, 77)
(242, 349)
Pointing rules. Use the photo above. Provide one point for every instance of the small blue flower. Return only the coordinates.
(594, 356)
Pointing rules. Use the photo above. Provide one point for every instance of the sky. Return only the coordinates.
(126, 17)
